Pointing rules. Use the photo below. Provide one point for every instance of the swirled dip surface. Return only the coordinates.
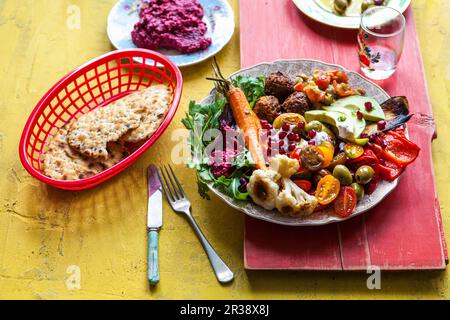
(171, 24)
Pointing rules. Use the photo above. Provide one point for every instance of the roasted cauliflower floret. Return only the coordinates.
(284, 165)
(293, 201)
(263, 188)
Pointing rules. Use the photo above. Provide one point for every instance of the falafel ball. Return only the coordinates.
(297, 102)
(279, 85)
(267, 108)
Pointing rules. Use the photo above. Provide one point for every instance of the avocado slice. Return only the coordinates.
(359, 125)
(347, 124)
(358, 103)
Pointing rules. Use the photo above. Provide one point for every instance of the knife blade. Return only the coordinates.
(155, 198)
(154, 222)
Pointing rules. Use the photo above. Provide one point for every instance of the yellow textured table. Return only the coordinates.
(47, 234)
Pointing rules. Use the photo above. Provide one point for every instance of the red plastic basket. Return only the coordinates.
(96, 84)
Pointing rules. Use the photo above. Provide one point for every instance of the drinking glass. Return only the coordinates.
(380, 41)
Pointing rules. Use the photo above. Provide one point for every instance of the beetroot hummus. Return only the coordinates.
(171, 24)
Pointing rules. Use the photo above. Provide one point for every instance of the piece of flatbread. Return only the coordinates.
(61, 162)
(92, 132)
(156, 103)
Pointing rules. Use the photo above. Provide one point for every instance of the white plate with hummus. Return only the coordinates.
(344, 14)
(209, 27)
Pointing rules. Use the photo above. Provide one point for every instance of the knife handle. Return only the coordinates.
(153, 264)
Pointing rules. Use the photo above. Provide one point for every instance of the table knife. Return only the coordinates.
(154, 223)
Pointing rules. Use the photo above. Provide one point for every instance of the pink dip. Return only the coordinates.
(171, 24)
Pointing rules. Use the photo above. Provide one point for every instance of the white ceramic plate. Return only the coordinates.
(219, 18)
(316, 11)
(293, 68)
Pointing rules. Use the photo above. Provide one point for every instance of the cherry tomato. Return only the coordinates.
(299, 87)
(345, 203)
(340, 158)
(341, 77)
(353, 151)
(327, 149)
(338, 76)
(305, 185)
(312, 158)
(327, 190)
(323, 81)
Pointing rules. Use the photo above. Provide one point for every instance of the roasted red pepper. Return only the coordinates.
(369, 158)
(389, 170)
(399, 149)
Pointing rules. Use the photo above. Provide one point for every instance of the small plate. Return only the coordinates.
(316, 11)
(219, 18)
(292, 68)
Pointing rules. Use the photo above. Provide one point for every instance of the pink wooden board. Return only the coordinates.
(402, 233)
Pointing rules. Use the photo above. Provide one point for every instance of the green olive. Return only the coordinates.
(340, 6)
(364, 175)
(340, 158)
(314, 125)
(359, 190)
(366, 4)
(344, 175)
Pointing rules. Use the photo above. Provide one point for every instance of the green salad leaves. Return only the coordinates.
(253, 87)
(199, 120)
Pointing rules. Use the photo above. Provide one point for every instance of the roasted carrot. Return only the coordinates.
(246, 119)
(249, 123)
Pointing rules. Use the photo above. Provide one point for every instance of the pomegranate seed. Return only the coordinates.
(292, 147)
(282, 135)
(364, 135)
(373, 137)
(312, 134)
(286, 128)
(312, 143)
(291, 136)
(359, 115)
(368, 106)
(382, 125)
(281, 143)
(282, 151)
(264, 122)
(297, 137)
(301, 125)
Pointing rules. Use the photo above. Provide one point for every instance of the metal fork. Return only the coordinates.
(180, 204)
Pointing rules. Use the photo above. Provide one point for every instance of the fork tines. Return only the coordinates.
(170, 184)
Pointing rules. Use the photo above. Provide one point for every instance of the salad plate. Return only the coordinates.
(293, 68)
(321, 11)
(218, 16)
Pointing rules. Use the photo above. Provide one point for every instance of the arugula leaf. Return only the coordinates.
(253, 87)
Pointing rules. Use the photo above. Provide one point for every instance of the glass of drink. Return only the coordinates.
(380, 41)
